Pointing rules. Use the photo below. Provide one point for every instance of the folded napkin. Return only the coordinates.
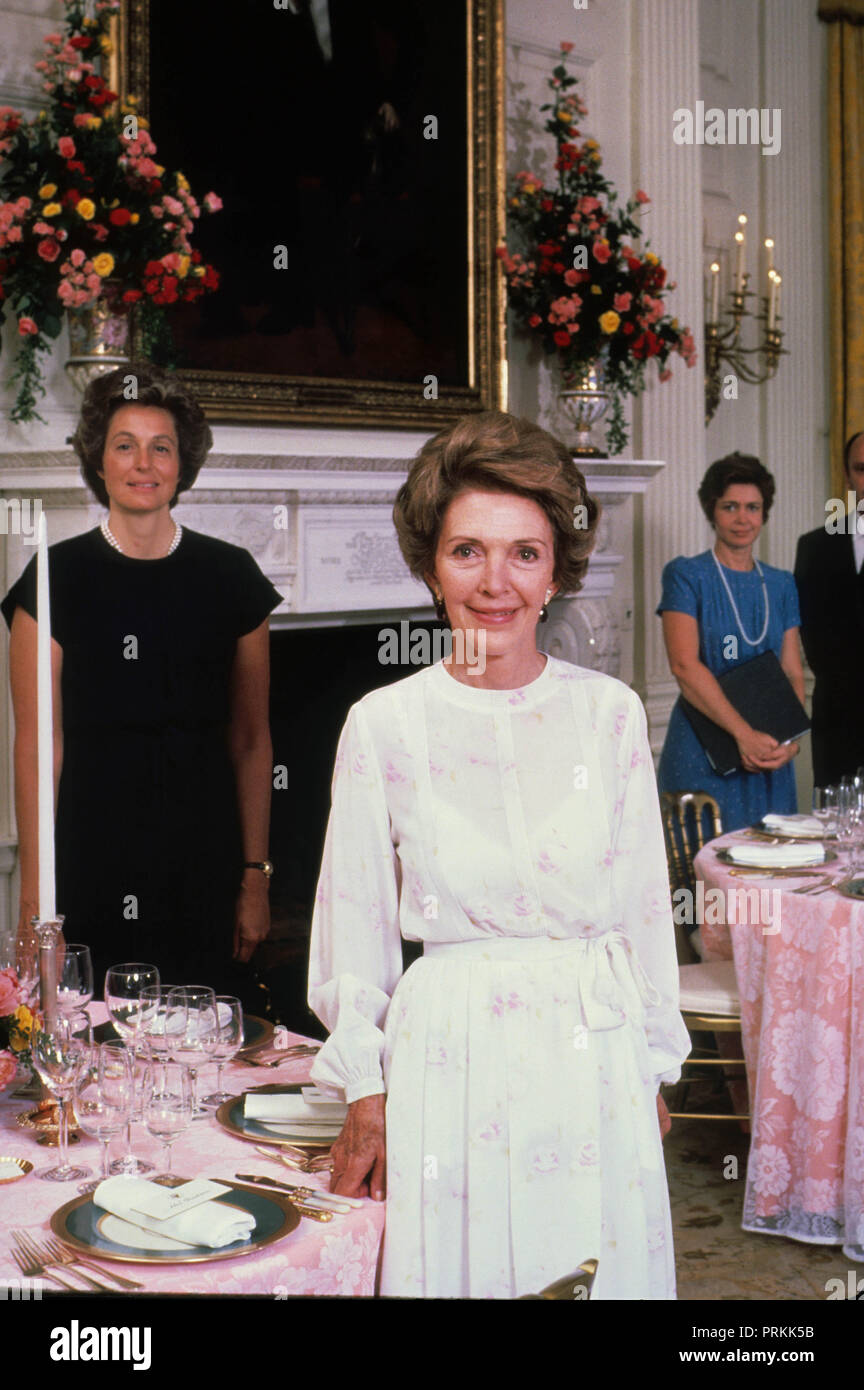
(778, 856)
(794, 825)
(212, 1223)
(293, 1109)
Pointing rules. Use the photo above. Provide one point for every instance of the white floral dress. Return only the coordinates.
(517, 834)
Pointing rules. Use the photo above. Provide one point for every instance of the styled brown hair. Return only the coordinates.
(109, 393)
(496, 452)
(726, 472)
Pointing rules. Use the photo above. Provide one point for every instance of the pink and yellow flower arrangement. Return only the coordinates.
(16, 1022)
(86, 212)
(577, 282)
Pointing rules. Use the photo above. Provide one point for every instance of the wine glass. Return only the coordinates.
(128, 1011)
(154, 1012)
(229, 1014)
(56, 1050)
(124, 985)
(103, 1098)
(193, 1033)
(167, 1104)
(824, 805)
(74, 977)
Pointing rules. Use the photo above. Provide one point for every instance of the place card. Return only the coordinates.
(161, 1203)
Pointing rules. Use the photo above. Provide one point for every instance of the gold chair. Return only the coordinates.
(572, 1287)
(709, 999)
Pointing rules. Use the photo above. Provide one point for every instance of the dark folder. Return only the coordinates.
(761, 693)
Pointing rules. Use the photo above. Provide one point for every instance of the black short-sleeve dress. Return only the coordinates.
(149, 850)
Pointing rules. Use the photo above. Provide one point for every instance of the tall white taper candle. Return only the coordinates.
(45, 732)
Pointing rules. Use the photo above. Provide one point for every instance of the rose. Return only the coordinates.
(622, 302)
(212, 202)
(47, 190)
(119, 217)
(641, 196)
(103, 264)
(8, 1069)
(561, 338)
(566, 47)
(27, 327)
(66, 146)
(86, 208)
(601, 251)
(10, 992)
(609, 321)
(48, 249)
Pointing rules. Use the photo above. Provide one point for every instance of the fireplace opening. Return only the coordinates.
(316, 675)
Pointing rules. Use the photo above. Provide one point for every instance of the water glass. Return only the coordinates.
(103, 1098)
(124, 985)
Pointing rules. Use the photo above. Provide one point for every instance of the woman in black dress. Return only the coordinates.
(163, 760)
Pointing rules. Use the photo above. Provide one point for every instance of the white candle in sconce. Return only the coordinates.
(769, 254)
(739, 253)
(45, 732)
(715, 292)
(778, 281)
(772, 297)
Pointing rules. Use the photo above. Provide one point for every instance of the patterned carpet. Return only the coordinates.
(715, 1259)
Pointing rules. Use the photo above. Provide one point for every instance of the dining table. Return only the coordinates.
(333, 1258)
(797, 943)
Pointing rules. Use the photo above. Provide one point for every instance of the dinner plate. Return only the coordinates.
(762, 829)
(80, 1223)
(724, 855)
(257, 1033)
(851, 888)
(231, 1117)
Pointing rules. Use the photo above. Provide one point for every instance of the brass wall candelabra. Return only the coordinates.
(724, 352)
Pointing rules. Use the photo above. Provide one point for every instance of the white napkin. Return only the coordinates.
(778, 856)
(793, 825)
(212, 1223)
(293, 1110)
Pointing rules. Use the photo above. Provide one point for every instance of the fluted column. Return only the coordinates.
(670, 420)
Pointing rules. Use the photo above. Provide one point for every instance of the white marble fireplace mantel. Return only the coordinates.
(320, 527)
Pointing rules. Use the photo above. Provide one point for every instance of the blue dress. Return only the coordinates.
(692, 585)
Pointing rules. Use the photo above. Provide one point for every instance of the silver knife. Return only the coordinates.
(334, 1203)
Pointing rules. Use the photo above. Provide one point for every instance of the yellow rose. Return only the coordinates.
(609, 321)
(134, 217)
(529, 188)
(183, 182)
(51, 209)
(160, 168)
(650, 258)
(595, 289)
(103, 264)
(85, 208)
(565, 117)
(106, 45)
(94, 122)
(199, 270)
(183, 267)
(47, 190)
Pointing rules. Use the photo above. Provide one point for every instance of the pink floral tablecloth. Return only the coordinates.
(334, 1258)
(799, 961)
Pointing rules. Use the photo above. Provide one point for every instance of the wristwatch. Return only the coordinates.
(264, 865)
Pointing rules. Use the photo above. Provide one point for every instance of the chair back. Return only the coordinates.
(685, 816)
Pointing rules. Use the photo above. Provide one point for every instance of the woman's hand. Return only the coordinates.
(758, 751)
(251, 918)
(663, 1116)
(360, 1154)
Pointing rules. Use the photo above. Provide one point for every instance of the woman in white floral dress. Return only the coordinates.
(501, 808)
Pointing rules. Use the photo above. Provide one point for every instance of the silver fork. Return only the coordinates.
(32, 1269)
(34, 1250)
(68, 1257)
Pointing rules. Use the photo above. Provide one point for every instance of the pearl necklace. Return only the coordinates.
(751, 641)
(112, 539)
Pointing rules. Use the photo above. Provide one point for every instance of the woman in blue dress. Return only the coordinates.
(721, 609)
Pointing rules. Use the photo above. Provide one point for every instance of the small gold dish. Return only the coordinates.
(44, 1121)
(7, 1162)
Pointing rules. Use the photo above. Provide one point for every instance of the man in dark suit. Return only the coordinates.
(830, 579)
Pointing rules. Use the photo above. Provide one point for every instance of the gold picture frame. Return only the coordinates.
(280, 397)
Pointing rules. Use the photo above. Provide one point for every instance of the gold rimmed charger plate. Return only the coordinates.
(78, 1224)
(230, 1116)
(260, 1032)
(724, 855)
(760, 831)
